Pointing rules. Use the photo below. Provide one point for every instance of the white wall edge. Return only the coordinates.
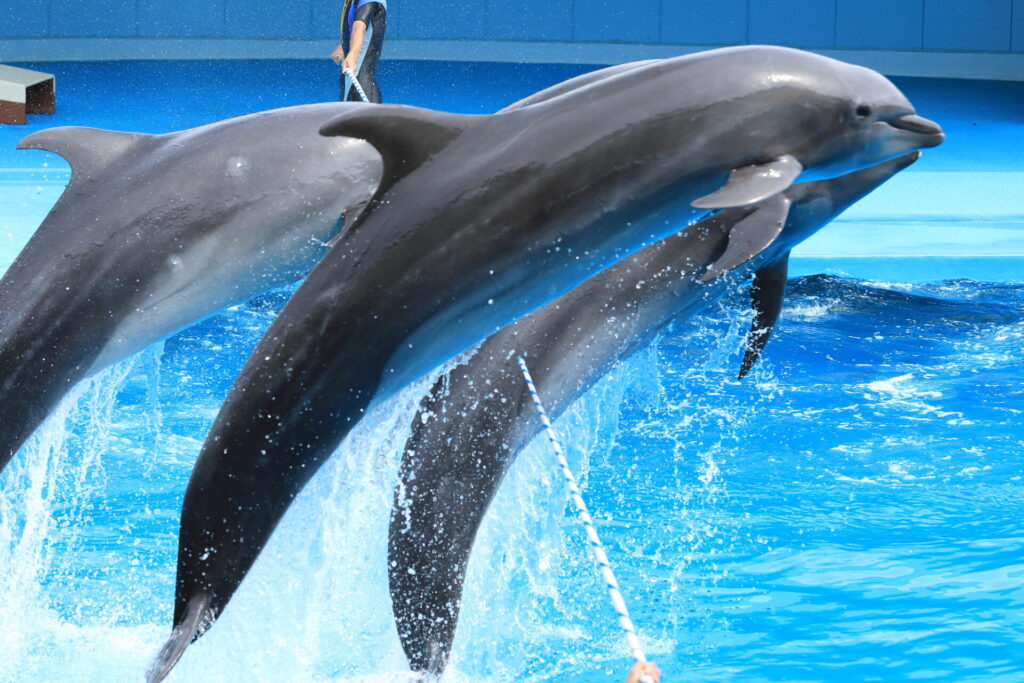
(978, 65)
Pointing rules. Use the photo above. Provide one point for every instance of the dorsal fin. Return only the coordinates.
(405, 136)
(88, 150)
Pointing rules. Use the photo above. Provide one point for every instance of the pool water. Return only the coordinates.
(850, 511)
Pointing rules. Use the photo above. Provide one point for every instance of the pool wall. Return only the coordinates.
(948, 38)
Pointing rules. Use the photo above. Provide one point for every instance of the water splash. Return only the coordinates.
(853, 504)
(45, 494)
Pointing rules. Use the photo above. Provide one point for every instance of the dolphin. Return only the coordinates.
(476, 418)
(156, 232)
(479, 220)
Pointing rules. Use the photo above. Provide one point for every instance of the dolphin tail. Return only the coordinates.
(22, 415)
(197, 618)
(30, 389)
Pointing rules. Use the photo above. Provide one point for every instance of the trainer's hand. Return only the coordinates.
(337, 55)
(641, 668)
(349, 64)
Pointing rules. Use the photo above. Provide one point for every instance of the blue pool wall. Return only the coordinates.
(943, 25)
(946, 38)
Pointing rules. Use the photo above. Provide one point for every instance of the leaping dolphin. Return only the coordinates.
(477, 418)
(156, 232)
(479, 220)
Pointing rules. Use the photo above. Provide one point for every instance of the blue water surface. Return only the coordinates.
(850, 511)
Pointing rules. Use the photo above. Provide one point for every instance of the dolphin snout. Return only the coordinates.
(912, 123)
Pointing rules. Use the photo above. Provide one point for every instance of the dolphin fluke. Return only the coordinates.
(767, 293)
(198, 617)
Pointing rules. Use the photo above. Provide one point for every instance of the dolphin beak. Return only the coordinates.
(919, 125)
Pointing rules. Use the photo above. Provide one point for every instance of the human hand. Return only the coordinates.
(337, 55)
(641, 668)
(349, 65)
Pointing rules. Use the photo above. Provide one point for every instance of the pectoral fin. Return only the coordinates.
(751, 235)
(752, 184)
(767, 293)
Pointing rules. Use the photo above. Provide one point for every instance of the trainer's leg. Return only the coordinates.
(369, 83)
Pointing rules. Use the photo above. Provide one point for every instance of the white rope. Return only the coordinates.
(355, 81)
(592, 538)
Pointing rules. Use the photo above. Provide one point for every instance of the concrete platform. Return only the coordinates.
(23, 91)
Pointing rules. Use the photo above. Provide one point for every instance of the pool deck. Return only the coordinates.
(957, 213)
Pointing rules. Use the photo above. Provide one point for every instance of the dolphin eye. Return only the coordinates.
(863, 111)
